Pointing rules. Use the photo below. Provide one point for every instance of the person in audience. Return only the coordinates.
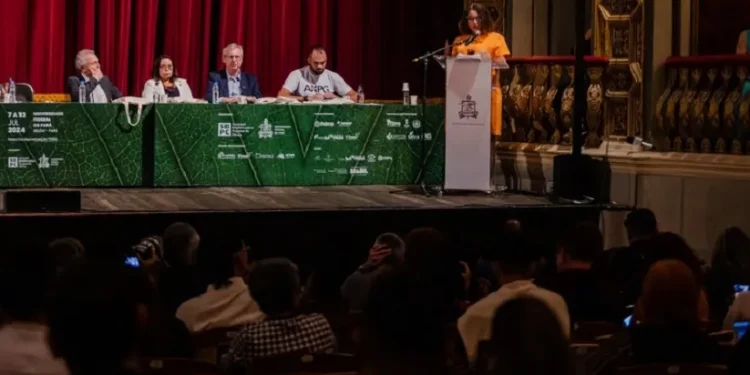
(527, 339)
(179, 281)
(738, 363)
(435, 268)
(234, 84)
(165, 81)
(96, 315)
(314, 82)
(25, 277)
(514, 265)
(99, 89)
(275, 285)
(485, 281)
(625, 267)
(227, 301)
(386, 253)
(65, 250)
(743, 48)
(401, 333)
(583, 289)
(730, 266)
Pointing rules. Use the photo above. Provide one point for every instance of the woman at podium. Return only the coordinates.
(478, 37)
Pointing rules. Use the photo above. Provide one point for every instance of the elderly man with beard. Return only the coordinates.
(314, 82)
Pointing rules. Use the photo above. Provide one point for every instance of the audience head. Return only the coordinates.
(526, 339)
(232, 56)
(317, 59)
(63, 251)
(225, 259)
(731, 255)
(388, 249)
(665, 246)
(96, 315)
(181, 243)
(86, 61)
(26, 274)
(164, 69)
(583, 244)
(641, 224)
(514, 259)
(477, 20)
(670, 294)
(274, 283)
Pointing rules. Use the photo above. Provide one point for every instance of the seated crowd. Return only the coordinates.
(413, 307)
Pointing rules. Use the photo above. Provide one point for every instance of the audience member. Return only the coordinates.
(227, 301)
(63, 251)
(25, 278)
(180, 280)
(386, 253)
(730, 266)
(527, 339)
(275, 285)
(484, 278)
(584, 290)
(97, 315)
(668, 330)
(403, 335)
(514, 265)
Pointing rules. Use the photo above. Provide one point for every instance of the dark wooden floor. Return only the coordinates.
(233, 199)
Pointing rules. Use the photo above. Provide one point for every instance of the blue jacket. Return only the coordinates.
(248, 84)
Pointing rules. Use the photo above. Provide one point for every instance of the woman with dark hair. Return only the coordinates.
(165, 82)
(478, 37)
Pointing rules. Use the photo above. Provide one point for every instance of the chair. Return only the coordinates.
(211, 345)
(594, 331)
(673, 369)
(299, 364)
(176, 366)
(24, 93)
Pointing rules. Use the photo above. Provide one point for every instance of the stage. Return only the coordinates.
(287, 199)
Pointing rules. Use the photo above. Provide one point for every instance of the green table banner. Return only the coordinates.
(292, 145)
(70, 145)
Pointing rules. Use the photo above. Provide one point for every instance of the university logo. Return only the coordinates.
(468, 109)
(44, 161)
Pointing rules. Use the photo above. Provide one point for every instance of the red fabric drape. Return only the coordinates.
(370, 42)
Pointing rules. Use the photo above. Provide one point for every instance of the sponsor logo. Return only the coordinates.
(358, 171)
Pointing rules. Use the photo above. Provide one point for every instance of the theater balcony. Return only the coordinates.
(538, 100)
(702, 109)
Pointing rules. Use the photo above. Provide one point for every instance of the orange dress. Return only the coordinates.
(493, 44)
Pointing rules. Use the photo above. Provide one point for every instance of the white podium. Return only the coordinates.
(468, 140)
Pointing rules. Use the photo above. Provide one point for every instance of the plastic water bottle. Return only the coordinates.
(215, 93)
(405, 90)
(360, 95)
(11, 91)
(82, 92)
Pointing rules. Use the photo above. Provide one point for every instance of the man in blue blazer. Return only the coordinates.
(234, 84)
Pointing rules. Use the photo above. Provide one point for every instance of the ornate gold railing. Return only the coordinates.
(703, 108)
(538, 99)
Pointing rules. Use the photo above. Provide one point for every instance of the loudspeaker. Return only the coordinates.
(27, 201)
(576, 177)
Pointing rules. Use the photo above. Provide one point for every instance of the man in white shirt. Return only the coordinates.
(314, 82)
(514, 264)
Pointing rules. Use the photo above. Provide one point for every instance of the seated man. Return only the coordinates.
(314, 82)
(234, 84)
(99, 89)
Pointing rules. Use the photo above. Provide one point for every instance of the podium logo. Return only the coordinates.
(468, 109)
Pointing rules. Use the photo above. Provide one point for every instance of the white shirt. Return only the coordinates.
(96, 96)
(476, 324)
(24, 351)
(151, 87)
(303, 82)
(226, 307)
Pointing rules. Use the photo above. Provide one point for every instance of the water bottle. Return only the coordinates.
(82, 92)
(11, 91)
(215, 93)
(360, 95)
(405, 90)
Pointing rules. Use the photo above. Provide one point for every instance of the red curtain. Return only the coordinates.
(370, 42)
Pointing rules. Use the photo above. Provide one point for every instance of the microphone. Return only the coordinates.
(638, 141)
(472, 38)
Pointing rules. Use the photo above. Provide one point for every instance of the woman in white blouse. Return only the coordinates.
(165, 82)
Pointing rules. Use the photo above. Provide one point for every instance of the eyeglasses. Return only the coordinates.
(474, 19)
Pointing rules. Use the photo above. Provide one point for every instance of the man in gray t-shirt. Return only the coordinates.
(314, 82)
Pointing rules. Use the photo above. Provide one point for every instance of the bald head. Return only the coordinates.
(670, 294)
